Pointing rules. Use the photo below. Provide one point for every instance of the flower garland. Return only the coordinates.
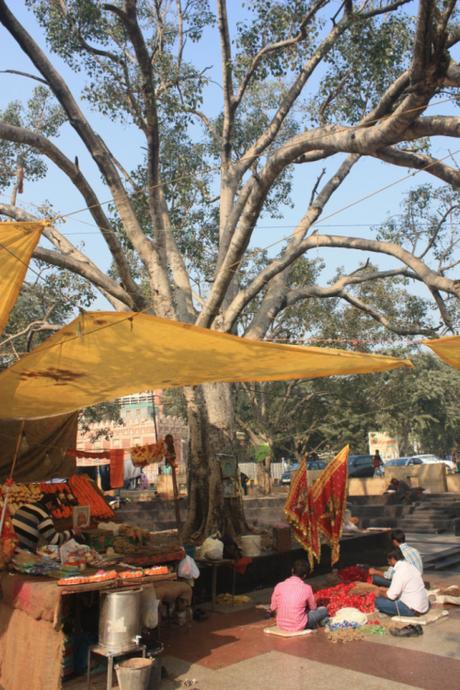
(339, 597)
(354, 573)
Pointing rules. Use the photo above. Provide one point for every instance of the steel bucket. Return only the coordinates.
(120, 619)
(134, 674)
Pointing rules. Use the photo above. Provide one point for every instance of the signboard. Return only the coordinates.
(387, 445)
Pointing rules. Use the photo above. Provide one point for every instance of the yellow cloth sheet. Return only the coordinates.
(448, 349)
(104, 355)
(17, 242)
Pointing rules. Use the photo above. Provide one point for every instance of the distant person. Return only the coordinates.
(33, 524)
(244, 479)
(406, 595)
(294, 603)
(143, 481)
(410, 553)
(313, 456)
(377, 463)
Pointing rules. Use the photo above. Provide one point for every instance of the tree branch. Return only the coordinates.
(227, 79)
(24, 74)
(381, 318)
(293, 93)
(161, 292)
(40, 143)
(275, 47)
(72, 259)
(420, 269)
(161, 225)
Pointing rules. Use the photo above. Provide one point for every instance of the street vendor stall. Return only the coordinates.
(43, 593)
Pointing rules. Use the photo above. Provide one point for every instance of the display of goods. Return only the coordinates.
(87, 495)
(339, 597)
(64, 497)
(33, 564)
(8, 541)
(354, 573)
(124, 545)
(19, 494)
(136, 535)
(100, 576)
(157, 570)
(130, 574)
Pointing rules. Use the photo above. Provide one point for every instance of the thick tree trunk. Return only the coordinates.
(264, 481)
(212, 436)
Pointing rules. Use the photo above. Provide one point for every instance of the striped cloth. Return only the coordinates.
(292, 599)
(411, 555)
(32, 522)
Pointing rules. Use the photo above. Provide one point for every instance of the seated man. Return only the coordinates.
(294, 603)
(406, 595)
(411, 555)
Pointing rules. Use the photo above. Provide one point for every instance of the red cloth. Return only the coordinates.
(339, 597)
(292, 599)
(241, 564)
(117, 468)
(298, 513)
(328, 501)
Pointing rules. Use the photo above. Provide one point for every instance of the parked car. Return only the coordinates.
(360, 466)
(311, 465)
(431, 459)
(424, 459)
(397, 462)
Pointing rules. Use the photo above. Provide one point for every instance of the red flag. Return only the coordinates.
(298, 512)
(328, 497)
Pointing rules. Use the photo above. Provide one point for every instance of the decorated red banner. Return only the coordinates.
(328, 497)
(298, 512)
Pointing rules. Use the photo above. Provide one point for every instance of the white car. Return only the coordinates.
(430, 459)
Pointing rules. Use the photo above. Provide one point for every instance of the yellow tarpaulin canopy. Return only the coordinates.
(448, 349)
(104, 355)
(17, 242)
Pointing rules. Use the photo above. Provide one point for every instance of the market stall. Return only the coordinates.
(44, 594)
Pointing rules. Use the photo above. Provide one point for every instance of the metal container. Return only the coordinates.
(120, 619)
(134, 674)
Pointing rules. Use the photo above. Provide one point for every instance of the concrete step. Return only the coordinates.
(443, 560)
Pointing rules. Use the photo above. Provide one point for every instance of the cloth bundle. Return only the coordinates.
(148, 454)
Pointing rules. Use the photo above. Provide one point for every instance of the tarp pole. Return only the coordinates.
(9, 481)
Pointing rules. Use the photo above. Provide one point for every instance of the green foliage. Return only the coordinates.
(419, 406)
(40, 114)
(261, 452)
(270, 21)
(53, 297)
(363, 64)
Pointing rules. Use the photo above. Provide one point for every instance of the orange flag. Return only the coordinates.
(298, 512)
(327, 499)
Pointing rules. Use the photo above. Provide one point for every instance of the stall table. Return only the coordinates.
(31, 633)
(215, 566)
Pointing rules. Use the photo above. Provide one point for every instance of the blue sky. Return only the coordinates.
(365, 178)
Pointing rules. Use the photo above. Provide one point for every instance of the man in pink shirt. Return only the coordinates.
(294, 603)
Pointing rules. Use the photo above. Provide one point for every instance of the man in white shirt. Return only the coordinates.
(406, 595)
(410, 553)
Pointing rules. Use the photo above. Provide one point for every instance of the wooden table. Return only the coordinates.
(215, 565)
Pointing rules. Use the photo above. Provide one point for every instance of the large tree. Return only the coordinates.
(302, 81)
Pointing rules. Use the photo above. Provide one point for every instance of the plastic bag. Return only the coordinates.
(212, 549)
(188, 569)
(150, 605)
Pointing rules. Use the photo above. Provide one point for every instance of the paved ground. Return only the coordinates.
(230, 650)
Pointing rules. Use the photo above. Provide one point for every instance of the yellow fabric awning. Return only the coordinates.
(448, 349)
(103, 355)
(17, 242)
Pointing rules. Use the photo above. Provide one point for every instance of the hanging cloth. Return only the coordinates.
(117, 468)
